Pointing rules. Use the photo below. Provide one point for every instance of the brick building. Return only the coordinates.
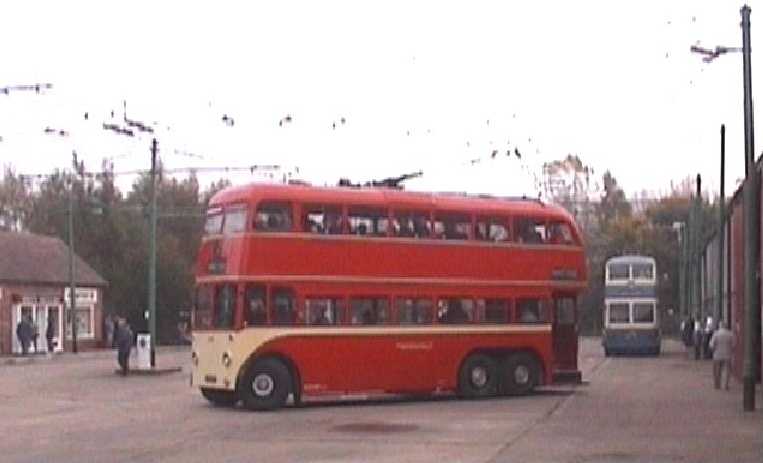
(34, 282)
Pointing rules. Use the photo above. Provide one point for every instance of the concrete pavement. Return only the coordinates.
(74, 409)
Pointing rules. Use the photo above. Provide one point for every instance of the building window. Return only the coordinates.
(84, 322)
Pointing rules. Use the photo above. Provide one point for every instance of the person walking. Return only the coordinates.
(722, 342)
(50, 331)
(24, 334)
(124, 337)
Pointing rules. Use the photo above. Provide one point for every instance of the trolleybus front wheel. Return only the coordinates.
(520, 374)
(220, 398)
(478, 377)
(265, 385)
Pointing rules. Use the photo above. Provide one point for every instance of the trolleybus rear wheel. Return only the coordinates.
(220, 398)
(520, 374)
(478, 377)
(265, 385)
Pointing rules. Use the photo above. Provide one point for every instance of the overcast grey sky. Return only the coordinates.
(421, 85)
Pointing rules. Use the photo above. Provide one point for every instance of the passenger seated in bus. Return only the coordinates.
(420, 227)
(529, 312)
(333, 223)
(257, 314)
(362, 229)
(529, 235)
(405, 228)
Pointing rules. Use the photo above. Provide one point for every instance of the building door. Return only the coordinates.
(54, 317)
(565, 333)
(20, 312)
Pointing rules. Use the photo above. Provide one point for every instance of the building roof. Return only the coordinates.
(27, 258)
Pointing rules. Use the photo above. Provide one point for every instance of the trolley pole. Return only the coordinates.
(719, 313)
(751, 218)
(152, 255)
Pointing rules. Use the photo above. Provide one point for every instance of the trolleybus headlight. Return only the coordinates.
(194, 359)
(227, 360)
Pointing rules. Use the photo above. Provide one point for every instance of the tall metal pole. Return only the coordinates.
(152, 255)
(682, 272)
(751, 221)
(72, 286)
(719, 315)
(698, 241)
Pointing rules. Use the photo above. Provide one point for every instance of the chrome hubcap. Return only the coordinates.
(479, 376)
(263, 385)
(521, 374)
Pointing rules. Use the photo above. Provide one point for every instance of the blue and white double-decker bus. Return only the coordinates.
(631, 319)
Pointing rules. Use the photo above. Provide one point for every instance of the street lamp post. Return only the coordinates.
(72, 290)
(751, 195)
(751, 213)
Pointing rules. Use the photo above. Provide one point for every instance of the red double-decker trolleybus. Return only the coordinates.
(305, 291)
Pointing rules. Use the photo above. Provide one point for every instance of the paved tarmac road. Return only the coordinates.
(634, 409)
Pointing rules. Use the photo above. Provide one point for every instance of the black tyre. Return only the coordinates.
(266, 385)
(478, 377)
(220, 398)
(521, 373)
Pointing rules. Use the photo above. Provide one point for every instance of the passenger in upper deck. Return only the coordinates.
(528, 234)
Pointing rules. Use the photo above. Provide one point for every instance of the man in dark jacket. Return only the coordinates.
(124, 338)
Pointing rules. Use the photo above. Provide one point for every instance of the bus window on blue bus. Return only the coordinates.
(619, 312)
(643, 312)
(643, 272)
(618, 272)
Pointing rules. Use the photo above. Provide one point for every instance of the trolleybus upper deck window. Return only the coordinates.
(273, 217)
(560, 233)
(324, 219)
(413, 311)
(214, 222)
(368, 222)
(324, 311)
(530, 231)
(618, 272)
(643, 271)
(491, 229)
(452, 227)
(235, 219)
(369, 311)
(411, 224)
